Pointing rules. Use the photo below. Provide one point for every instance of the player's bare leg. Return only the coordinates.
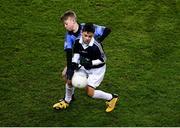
(63, 74)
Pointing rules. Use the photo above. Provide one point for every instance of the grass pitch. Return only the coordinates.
(142, 67)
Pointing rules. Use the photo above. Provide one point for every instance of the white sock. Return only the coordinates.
(98, 94)
(69, 93)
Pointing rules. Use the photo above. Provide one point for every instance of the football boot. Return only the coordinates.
(112, 103)
(62, 104)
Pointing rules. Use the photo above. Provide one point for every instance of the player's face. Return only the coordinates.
(87, 36)
(69, 24)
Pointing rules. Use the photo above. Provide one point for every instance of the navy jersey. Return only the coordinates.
(70, 37)
(91, 52)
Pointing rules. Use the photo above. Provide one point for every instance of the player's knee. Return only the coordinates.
(63, 73)
(69, 85)
(90, 94)
(90, 91)
(63, 76)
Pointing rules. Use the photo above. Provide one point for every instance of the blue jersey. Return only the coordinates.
(71, 37)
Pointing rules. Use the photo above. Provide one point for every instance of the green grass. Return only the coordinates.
(143, 64)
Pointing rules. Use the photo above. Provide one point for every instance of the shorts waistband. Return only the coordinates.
(95, 66)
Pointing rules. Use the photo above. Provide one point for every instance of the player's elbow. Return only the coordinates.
(107, 31)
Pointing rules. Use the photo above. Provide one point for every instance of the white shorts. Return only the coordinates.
(95, 75)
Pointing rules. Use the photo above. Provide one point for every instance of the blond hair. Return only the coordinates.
(68, 14)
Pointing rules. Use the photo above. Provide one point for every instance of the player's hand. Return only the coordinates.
(85, 62)
(98, 39)
(75, 66)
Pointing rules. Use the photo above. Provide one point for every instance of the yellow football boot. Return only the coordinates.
(61, 105)
(112, 103)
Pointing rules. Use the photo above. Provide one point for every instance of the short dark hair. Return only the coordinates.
(68, 14)
(88, 27)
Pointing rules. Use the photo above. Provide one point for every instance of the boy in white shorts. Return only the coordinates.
(90, 55)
